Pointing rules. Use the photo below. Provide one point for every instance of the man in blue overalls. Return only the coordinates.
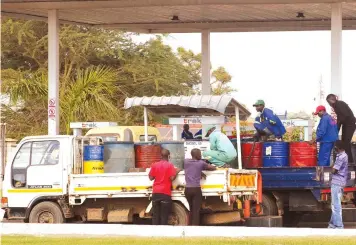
(326, 134)
(267, 123)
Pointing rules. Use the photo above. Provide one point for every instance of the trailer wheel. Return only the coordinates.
(269, 205)
(46, 212)
(179, 216)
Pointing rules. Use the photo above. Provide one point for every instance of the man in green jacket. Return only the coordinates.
(222, 151)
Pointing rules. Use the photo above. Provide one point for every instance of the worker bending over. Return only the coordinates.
(222, 151)
(346, 119)
(193, 173)
(162, 173)
(326, 134)
(267, 123)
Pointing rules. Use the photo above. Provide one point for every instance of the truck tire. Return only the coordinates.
(269, 205)
(179, 216)
(46, 212)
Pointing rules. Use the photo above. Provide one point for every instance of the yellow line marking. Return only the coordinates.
(212, 186)
(35, 190)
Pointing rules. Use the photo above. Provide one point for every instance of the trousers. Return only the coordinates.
(347, 133)
(194, 197)
(336, 208)
(218, 158)
(162, 207)
(325, 153)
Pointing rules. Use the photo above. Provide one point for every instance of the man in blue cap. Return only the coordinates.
(222, 151)
(267, 123)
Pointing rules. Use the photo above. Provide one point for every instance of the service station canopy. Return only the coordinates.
(183, 16)
(196, 105)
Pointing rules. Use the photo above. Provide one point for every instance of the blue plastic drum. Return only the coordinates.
(275, 154)
(94, 153)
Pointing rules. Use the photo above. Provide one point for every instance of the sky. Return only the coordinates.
(283, 68)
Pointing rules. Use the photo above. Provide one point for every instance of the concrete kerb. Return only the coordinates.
(116, 230)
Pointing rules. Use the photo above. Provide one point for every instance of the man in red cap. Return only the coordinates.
(326, 134)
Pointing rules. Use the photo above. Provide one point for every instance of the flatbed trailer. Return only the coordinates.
(293, 192)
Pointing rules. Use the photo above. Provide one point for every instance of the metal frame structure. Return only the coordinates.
(206, 106)
(184, 16)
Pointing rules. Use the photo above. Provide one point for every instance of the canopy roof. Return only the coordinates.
(157, 16)
(177, 106)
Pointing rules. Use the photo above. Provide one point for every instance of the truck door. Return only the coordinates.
(37, 170)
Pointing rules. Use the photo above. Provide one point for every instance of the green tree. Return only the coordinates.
(221, 80)
(98, 69)
(87, 98)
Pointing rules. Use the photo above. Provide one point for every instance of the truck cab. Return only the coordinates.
(38, 171)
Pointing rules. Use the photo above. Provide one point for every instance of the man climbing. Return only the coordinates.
(222, 151)
(326, 134)
(346, 119)
(267, 123)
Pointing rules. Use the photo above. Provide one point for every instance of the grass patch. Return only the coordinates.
(17, 240)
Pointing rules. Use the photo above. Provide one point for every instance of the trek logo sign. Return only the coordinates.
(289, 123)
(89, 125)
(192, 121)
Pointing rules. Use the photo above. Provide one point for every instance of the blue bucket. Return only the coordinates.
(93, 153)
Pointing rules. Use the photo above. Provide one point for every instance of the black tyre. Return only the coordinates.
(179, 216)
(269, 205)
(46, 212)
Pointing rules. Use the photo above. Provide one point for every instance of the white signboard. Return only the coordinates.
(197, 120)
(92, 124)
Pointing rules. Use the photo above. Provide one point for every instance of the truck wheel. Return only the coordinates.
(269, 205)
(179, 216)
(46, 212)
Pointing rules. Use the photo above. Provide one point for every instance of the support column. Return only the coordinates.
(205, 63)
(53, 72)
(336, 49)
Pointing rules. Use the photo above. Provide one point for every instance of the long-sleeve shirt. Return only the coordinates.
(345, 116)
(327, 129)
(269, 120)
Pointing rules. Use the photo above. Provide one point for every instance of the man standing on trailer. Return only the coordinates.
(162, 173)
(222, 151)
(346, 119)
(338, 182)
(193, 173)
(267, 123)
(326, 134)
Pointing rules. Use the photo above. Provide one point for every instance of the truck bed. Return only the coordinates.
(139, 185)
(301, 178)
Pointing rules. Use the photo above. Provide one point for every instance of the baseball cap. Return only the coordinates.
(208, 128)
(319, 108)
(259, 102)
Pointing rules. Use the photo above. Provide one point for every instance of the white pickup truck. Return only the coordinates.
(44, 183)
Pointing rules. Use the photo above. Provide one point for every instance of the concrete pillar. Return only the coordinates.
(336, 49)
(205, 64)
(53, 72)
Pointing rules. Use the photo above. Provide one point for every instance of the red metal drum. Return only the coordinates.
(302, 154)
(147, 154)
(251, 155)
